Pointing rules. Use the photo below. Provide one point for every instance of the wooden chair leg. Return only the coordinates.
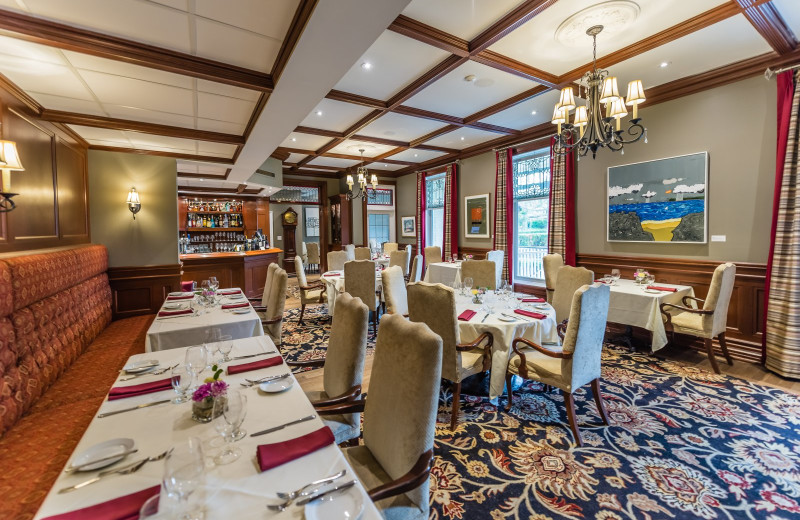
(711, 358)
(456, 400)
(598, 400)
(509, 376)
(302, 311)
(573, 420)
(724, 345)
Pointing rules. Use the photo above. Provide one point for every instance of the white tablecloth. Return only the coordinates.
(630, 305)
(334, 286)
(443, 272)
(538, 331)
(237, 490)
(189, 330)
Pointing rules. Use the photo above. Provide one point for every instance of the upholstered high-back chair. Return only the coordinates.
(400, 259)
(350, 249)
(435, 305)
(395, 460)
(568, 280)
(313, 255)
(578, 363)
(551, 264)
(336, 260)
(363, 253)
(310, 294)
(263, 300)
(273, 321)
(388, 247)
(416, 270)
(344, 366)
(497, 256)
(394, 290)
(433, 255)
(710, 321)
(359, 281)
(482, 272)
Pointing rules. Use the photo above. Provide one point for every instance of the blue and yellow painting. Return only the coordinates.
(659, 201)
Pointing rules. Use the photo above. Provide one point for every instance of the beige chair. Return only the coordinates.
(313, 294)
(416, 270)
(350, 249)
(363, 253)
(400, 259)
(388, 247)
(336, 260)
(568, 280)
(577, 364)
(344, 366)
(399, 420)
(497, 256)
(710, 321)
(359, 281)
(394, 290)
(304, 252)
(482, 272)
(435, 305)
(273, 320)
(263, 300)
(313, 255)
(433, 255)
(551, 264)
(408, 250)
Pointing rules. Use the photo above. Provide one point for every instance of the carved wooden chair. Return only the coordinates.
(310, 294)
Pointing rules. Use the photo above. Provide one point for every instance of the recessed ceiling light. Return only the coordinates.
(319, 112)
(462, 138)
(664, 64)
(201, 179)
(533, 113)
(294, 139)
(366, 65)
(416, 155)
(470, 78)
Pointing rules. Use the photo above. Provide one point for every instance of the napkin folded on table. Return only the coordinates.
(659, 288)
(229, 291)
(331, 274)
(532, 300)
(161, 314)
(235, 305)
(122, 508)
(121, 392)
(531, 314)
(187, 297)
(467, 315)
(255, 365)
(279, 453)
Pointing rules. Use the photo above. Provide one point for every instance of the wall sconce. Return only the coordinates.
(9, 161)
(134, 204)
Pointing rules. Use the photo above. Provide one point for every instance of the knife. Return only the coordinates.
(145, 405)
(340, 487)
(282, 426)
(516, 317)
(253, 355)
(484, 318)
(177, 316)
(72, 469)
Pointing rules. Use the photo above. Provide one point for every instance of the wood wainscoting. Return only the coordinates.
(141, 290)
(745, 312)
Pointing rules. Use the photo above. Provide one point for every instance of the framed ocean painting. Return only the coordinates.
(660, 201)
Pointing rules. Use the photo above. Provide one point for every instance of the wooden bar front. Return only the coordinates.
(247, 269)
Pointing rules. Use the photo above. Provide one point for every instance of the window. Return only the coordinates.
(296, 194)
(434, 210)
(381, 217)
(531, 212)
(378, 227)
(383, 197)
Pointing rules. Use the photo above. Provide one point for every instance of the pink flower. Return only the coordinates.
(209, 390)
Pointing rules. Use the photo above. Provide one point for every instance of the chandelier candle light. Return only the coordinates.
(595, 131)
(362, 173)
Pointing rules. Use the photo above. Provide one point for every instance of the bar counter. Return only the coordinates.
(246, 269)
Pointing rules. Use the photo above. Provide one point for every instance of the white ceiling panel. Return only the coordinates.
(104, 134)
(400, 127)
(416, 155)
(333, 161)
(66, 104)
(148, 116)
(221, 108)
(453, 96)
(520, 116)
(206, 147)
(462, 138)
(103, 142)
(790, 11)
(221, 126)
(212, 87)
(161, 142)
(230, 45)
(335, 115)
(141, 94)
(463, 18)
(352, 147)
(535, 42)
(29, 51)
(119, 68)
(394, 61)
(187, 167)
(212, 169)
(305, 141)
(271, 18)
(295, 157)
(379, 167)
(45, 78)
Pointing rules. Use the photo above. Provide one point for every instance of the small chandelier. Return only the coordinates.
(595, 131)
(363, 191)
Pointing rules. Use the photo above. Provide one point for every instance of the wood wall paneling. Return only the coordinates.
(141, 290)
(73, 214)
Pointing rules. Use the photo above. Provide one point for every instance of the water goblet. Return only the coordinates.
(616, 275)
(213, 283)
(225, 346)
(196, 360)
(184, 473)
(181, 382)
(455, 257)
(468, 283)
(230, 413)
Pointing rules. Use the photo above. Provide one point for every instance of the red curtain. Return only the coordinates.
(561, 225)
(421, 215)
(503, 210)
(786, 87)
(450, 230)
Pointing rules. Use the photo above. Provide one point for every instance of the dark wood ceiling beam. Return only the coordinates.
(442, 69)
(358, 125)
(355, 99)
(203, 189)
(71, 118)
(770, 25)
(318, 131)
(520, 15)
(75, 39)
(301, 17)
(367, 159)
(176, 155)
(281, 155)
(508, 103)
(379, 140)
(382, 157)
(436, 133)
(432, 36)
(309, 173)
(295, 166)
(517, 68)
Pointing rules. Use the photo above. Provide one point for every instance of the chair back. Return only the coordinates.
(416, 270)
(400, 259)
(400, 413)
(497, 256)
(336, 260)
(363, 253)
(569, 280)
(373, 244)
(301, 272)
(304, 251)
(551, 264)
(718, 298)
(347, 346)
(350, 249)
(584, 336)
(435, 305)
(482, 272)
(408, 249)
(433, 255)
(388, 247)
(313, 253)
(268, 284)
(359, 281)
(394, 290)
(276, 304)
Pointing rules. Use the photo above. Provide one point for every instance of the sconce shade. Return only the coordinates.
(635, 93)
(618, 108)
(133, 197)
(559, 116)
(10, 156)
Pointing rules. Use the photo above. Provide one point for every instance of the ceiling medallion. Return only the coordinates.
(615, 16)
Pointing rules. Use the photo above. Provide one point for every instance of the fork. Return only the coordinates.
(154, 373)
(308, 496)
(125, 470)
(294, 494)
(253, 382)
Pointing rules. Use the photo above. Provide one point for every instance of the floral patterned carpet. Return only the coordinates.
(683, 443)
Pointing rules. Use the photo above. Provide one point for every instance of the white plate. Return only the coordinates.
(101, 451)
(138, 367)
(507, 320)
(653, 291)
(175, 306)
(278, 385)
(541, 306)
(243, 310)
(345, 505)
(180, 293)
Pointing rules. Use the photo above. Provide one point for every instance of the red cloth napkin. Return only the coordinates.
(123, 508)
(235, 305)
(659, 288)
(467, 315)
(121, 392)
(331, 274)
(229, 291)
(175, 313)
(279, 453)
(187, 297)
(531, 314)
(187, 286)
(533, 300)
(255, 365)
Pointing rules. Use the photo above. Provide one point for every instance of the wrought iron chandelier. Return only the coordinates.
(363, 191)
(589, 130)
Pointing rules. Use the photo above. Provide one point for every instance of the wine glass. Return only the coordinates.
(615, 275)
(455, 257)
(468, 283)
(213, 283)
(196, 360)
(229, 413)
(181, 381)
(184, 473)
(225, 347)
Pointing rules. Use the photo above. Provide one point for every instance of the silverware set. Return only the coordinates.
(253, 382)
(145, 405)
(153, 373)
(79, 467)
(310, 492)
(193, 314)
(125, 470)
(282, 426)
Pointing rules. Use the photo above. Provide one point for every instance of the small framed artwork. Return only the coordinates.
(408, 226)
(311, 217)
(476, 216)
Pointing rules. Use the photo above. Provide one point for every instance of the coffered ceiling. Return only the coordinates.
(446, 79)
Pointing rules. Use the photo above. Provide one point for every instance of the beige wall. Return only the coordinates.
(152, 239)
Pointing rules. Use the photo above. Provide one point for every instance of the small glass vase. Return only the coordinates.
(203, 411)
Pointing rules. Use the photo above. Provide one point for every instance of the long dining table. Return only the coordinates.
(236, 490)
